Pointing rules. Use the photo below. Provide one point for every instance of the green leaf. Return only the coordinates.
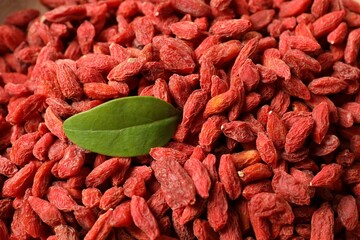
(124, 127)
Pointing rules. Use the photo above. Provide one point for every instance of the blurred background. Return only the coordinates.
(8, 6)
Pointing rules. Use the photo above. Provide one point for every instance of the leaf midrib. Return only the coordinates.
(120, 129)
